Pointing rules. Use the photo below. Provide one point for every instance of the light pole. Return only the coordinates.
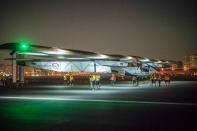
(13, 73)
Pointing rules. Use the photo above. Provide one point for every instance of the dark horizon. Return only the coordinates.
(155, 28)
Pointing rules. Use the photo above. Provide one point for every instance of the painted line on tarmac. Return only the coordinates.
(87, 100)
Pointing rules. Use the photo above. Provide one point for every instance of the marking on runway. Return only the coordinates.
(87, 100)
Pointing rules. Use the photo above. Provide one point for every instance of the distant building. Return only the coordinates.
(190, 62)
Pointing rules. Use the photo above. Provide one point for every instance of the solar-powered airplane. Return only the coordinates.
(68, 60)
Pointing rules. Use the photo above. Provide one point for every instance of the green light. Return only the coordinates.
(24, 46)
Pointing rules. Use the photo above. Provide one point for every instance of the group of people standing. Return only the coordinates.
(5, 80)
(68, 80)
(154, 78)
(158, 78)
(95, 81)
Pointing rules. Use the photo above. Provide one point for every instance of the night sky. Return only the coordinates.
(157, 29)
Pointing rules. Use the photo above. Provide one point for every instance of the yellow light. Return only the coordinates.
(172, 68)
(185, 68)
